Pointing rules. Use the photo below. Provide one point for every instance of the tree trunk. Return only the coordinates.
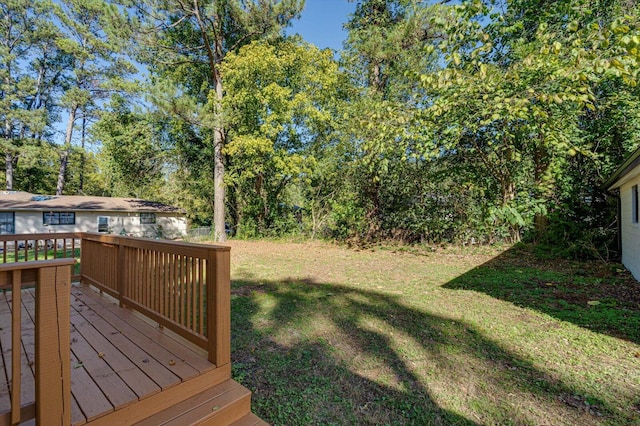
(377, 78)
(64, 157)
(218, 169)
(541, 168)
(82, 159)
(8, 162)
(214, 54)
(64, 161)
(8, 156)
(373, 215)
(508, 195)
(235, 212)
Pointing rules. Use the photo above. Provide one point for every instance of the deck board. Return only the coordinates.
(160, 374)
(107, 353)
(109, 382)
(5, 349)
(117, 359)
(188, 363)
(86, 393)
(27, 389)
(77, 418)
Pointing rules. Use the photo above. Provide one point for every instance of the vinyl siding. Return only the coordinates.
(172, 225)
(630, 230)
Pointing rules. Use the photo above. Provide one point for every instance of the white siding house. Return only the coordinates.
(626, 181)
(25, 213)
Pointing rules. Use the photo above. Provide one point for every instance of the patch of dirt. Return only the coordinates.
(580, 403)
(250, 290)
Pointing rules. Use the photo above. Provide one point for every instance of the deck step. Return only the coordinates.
(221, 405)
(250, 420)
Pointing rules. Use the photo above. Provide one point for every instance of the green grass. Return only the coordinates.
(328, 335)
(51, 254)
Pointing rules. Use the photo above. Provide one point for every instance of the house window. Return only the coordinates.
(147, 218)
(59, 218)
(103, 224)
(634, 203)
(7, 223)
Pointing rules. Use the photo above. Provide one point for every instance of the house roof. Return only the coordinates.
(18, 200)
(627, 171)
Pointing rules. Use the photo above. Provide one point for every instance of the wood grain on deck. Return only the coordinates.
(117, 358)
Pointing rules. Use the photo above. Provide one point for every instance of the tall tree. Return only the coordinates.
(94, 39)
(385, 45)
(185, 44)
(25, 64)
(276, 107)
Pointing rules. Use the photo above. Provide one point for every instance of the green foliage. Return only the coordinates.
(464, 122)
(132, 156)
(520, 94)
(184, 47)
(378, 131)
(34, 171)
(56, 56)
(25, 93)
(93, 37)
(275, 103)
(468, 124)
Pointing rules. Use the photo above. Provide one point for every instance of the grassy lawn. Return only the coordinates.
(327, 335)
(51, 254)
(31, 255)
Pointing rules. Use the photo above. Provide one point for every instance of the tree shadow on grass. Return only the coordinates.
(320, 353)
(601, 298)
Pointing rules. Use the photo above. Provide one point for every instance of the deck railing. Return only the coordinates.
(182, 286)
(28, 247)
(51, 367)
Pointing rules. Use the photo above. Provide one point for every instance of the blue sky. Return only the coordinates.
(321, 22)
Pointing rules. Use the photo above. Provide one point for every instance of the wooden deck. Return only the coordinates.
(117, 357)
(145, 339)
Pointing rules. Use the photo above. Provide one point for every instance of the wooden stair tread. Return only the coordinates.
(220, 405)
(250, 420)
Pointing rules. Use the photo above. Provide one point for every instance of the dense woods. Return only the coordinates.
(467, 122)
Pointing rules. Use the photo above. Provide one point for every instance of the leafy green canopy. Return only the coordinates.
(510, 115)
(273, 124)
(520, 93)
(185, 45)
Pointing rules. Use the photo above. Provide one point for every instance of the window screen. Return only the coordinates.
(59, 218)
(147, 218)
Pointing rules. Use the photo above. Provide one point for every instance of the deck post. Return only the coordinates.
(122, 273)
(16, 334)
(83, 256)
(52, 344)
(219, 306)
